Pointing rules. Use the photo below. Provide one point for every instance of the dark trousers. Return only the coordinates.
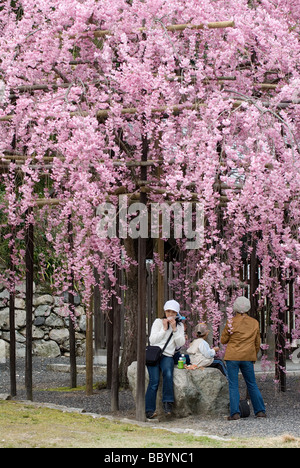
(166, 367)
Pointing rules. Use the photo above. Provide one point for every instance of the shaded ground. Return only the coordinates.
(283, 409)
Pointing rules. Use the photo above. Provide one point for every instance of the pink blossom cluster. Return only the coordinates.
(218, 106)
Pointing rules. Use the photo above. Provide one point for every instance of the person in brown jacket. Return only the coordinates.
(242, 337)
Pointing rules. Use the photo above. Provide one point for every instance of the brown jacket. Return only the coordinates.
(242, 339)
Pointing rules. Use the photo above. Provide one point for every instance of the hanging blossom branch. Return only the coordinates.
(204, 150)
(265, 109)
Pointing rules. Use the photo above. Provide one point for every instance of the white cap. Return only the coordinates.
(242, 305)
(172, 305)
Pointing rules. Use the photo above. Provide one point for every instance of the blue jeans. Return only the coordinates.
(247, 369)
(166, 365)
(219, 364)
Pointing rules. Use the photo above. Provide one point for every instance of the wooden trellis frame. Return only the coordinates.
(143, 187)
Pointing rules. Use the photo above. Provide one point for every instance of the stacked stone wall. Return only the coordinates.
(50, 324)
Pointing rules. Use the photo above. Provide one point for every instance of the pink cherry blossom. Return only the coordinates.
(234, 142)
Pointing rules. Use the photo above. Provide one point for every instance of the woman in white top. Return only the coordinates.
(160, 332)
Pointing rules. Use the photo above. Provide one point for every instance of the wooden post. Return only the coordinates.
(280, 337)
(73, 368)
(97, 315)
(116, 348)
(280, 359)
(142, 272)
(12, 331)
(29, 241)
(12, 325)
(109, 348)
(254, 281)
(160, 246)
(89, 347)
(12, 350)
(160, 276)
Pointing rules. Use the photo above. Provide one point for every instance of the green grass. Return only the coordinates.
(29, 426)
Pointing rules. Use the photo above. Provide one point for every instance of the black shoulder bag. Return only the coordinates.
(154, 353)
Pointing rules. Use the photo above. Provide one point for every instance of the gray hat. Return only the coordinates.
(242, 305)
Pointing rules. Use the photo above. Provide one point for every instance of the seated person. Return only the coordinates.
(201, 355)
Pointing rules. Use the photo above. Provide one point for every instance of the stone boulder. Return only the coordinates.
(196, 391)
(3, 352)
(47, 349)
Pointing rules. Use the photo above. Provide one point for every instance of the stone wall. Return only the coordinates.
(50, 325)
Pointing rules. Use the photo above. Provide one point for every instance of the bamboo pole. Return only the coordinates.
(174, 27)
(50, 201)
(104, 113)
(176, 109)
(22, 158)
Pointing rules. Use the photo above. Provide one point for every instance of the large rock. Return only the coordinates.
(46, 299)
(196, 392)
(48, 349)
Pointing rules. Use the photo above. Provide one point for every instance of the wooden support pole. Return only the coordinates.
(109, 348)
(116, 339)
(160, 248)
(29, 241)
(73, 368)
(280, 342)
(280, 358)
(254, 280)
(142, 273)
(89, 347)
(12, 330)
(12, 348)
(98, 319)
(116, 313)
(160, 276)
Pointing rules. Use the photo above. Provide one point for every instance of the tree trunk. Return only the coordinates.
(130, 319)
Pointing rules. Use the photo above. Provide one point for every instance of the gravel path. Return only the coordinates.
(283, 409)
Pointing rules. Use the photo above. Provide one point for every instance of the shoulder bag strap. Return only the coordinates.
(168, 341)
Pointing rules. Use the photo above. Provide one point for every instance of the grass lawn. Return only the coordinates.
(28, 426)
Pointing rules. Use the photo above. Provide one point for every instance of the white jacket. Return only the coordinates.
(200, 353)
(159, 337)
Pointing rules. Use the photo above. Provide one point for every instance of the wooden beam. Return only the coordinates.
(104, 113)
(49, 201)
(175, 109)
(174, 27)
(22, 158)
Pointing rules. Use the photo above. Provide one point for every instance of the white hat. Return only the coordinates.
(242, 305)
(172, 305)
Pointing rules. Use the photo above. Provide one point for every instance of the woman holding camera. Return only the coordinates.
(161, 331)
